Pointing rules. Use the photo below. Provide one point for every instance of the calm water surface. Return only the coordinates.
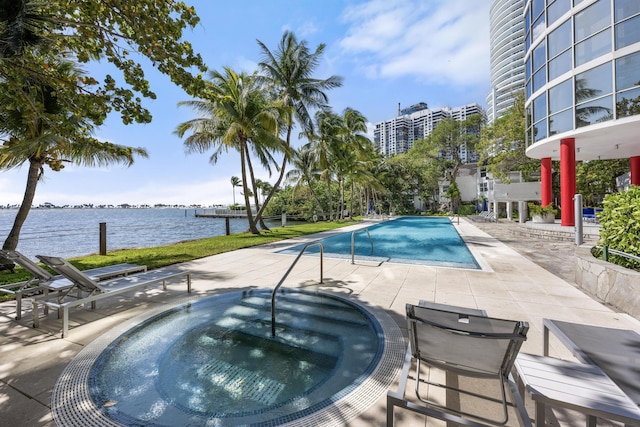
(75, 232)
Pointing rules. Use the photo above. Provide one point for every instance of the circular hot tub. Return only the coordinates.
(214, 362)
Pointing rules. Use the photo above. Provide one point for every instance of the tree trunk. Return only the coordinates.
(11, 243)
(256, 198)
(341, 197)
(330, 198)
(252, 225)
(316, 200)
(280, 177)
(351, 202)
(339, 209)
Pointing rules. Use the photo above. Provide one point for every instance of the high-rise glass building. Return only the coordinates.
(506, 38)
(582, 67)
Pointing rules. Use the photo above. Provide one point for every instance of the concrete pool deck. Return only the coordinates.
(513, 287)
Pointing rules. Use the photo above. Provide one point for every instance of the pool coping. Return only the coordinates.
(72, 405)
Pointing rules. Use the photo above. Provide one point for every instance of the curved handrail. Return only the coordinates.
(353, 246)
(275, 290)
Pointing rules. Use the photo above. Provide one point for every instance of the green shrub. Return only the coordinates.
(467, 209)
(535, 209)
(620, 225)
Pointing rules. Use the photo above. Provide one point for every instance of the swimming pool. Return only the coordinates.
(213, 362)
(416, 240)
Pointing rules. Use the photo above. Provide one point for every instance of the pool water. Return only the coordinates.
(417, 240)
(214, 362)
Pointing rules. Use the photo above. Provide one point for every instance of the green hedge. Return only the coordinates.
(620, 225)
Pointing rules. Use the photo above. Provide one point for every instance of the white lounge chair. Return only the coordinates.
(460, 341)
(43, 281)
(90, 291)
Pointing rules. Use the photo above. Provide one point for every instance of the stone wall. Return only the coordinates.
(612, 284)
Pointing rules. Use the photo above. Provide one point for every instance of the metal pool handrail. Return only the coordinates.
(275, 290)
(353, 246)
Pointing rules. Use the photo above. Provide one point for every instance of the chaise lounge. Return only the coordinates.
(89, 290)
(460, 342)
(43, 281)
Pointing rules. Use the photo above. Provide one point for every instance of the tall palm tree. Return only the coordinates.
(305, 171)
(355, 150)
(235, 182)
(43, 132)
(325, 142)
(235, 115)
(288, 73)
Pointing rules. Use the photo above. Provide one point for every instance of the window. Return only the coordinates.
(538, 27)
(560, 65)
(539, 79)
(628, 103)
(628, 71)
(561, 96)
(593, 47)
(540, 107)
(557, 9)
(529, 133)
(540, 130)
(593, 19)
(560, 39)
(628, 32)
(626, 9)
(594, 112)
(594, 83)
(539, 56)
(537, 7)
(561, 122)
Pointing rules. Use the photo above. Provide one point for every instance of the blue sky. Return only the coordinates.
(388, 52)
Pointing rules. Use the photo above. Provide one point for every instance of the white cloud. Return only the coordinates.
(444, 42)
(306, 29)
(370, 128)
(245, 64)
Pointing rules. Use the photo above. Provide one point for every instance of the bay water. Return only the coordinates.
(76, 232)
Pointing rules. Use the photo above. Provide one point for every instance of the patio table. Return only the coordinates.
(615, 351)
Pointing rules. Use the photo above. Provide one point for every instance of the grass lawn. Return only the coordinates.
(184, 251)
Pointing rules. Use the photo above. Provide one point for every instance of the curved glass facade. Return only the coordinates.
(582, 64)
(506, 34)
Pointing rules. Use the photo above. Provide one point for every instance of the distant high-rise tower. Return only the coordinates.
(506, 32)
(396, 136)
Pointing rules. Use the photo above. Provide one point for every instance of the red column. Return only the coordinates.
(545, 182)
(635, 170)
(567, 180)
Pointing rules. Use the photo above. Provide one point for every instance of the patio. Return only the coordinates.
(510, 286)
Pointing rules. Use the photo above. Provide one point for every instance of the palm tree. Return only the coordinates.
(355, 151)
(236, 115)
(325, 142)
(288, 74)
(21, 26)
(305, 171)
(44, 132)
(235, 182)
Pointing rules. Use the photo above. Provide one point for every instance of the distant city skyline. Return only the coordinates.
(406, 51)
(398, 134)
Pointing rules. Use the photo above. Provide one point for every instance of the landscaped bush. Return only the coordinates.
(467, 209)
(620, 225)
